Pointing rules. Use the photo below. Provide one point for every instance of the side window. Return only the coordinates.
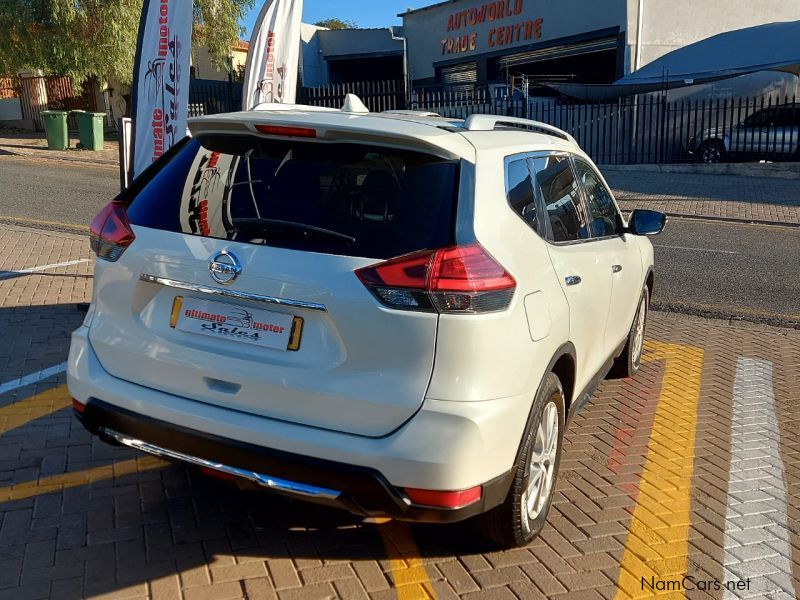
(559, 190)
(519, 191)
(603, 216)
(757, 119)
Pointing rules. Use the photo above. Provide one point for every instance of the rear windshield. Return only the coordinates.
(348, 199)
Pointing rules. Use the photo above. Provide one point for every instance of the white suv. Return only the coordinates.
(391, 313)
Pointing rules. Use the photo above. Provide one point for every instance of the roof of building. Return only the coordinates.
(411, 11)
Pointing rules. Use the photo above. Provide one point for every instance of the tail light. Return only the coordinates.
(110, 232)
(459, 279)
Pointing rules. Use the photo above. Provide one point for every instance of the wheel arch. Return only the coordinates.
(722, 140)
(564, 366)
(649, 281)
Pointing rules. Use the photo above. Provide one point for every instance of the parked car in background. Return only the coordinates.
(771, 133)
(392, 313)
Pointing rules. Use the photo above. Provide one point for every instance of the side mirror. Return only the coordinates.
(646, 222)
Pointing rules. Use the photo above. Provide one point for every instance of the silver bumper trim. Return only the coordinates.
(214, 291)
(273, 483)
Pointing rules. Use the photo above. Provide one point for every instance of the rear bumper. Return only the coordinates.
(445, 446)
(359, 490)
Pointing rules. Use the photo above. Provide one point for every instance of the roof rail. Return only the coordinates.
(490, 123)
(411, 113)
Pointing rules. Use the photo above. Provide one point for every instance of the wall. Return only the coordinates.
(205, 68)
(433, 33)
(314, 70)
(671, 24)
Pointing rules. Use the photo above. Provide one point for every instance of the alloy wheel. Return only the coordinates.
(712, 155)
(638, 336)
(542, 463)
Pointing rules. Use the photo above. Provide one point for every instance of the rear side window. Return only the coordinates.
(519, 191)
(346, 199)
(788, 116)
(561, 197)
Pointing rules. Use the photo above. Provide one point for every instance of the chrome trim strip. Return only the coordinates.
(273, 483)
(204, 289)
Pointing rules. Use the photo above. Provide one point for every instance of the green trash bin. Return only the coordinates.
(55, 126)
(90, 129)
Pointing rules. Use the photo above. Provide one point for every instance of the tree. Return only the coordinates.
(98, 37)
(334, 23)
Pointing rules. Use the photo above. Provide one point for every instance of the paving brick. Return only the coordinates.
(170, 533)
(221, 591)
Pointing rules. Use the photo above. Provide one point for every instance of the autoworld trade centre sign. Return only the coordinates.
(508, 26)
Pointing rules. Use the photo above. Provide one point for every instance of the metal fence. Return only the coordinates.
(646, 129)
(9, 88)
(209, 96)
(38, 93)
(377, 95)
(637, 130)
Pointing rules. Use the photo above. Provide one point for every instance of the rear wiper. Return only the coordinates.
(251, 224)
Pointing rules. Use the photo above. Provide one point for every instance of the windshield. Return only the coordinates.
(352, 199)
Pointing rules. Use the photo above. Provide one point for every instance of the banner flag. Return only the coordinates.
(271, 71)
(160, 103)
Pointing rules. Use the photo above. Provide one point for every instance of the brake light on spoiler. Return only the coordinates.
(287, 131)
(455, 280)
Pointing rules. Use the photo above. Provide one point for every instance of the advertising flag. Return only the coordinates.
(161, 79)
(271, 71)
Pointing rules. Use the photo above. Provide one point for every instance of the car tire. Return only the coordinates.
(627, 363)
(520, 518)
(712, 152)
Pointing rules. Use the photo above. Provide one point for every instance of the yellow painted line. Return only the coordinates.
(42, 404)
(11, 220)
(409, 574)
(657, 543)
(56, 483)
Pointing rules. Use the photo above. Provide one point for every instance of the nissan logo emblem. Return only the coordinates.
(224, 267)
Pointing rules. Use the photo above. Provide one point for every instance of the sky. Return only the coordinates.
(365, 13)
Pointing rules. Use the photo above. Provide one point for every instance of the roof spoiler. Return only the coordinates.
(491, 122)
(286, 125)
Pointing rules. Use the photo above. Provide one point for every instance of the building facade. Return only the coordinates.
(336, 56)
(463, 42)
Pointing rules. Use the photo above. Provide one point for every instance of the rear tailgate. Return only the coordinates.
(359, 368)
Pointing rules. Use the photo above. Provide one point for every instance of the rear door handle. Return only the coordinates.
(572, 280)
(616, 268)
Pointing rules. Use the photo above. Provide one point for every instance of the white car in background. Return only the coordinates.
(391, 313)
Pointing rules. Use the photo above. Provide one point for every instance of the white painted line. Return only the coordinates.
(756, 532)
(68, 263)
(696, 249)
(14, 384)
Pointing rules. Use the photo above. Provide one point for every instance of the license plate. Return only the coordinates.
(236, 323)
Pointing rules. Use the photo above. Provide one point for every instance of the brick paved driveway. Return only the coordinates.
(691, 468)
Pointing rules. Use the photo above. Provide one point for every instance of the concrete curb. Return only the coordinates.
(79, 161)
(733, 220)
(788, 170)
